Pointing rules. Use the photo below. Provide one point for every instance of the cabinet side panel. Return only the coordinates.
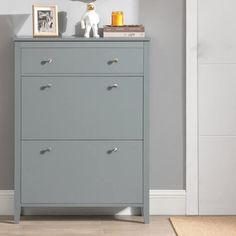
(146, 134)
(17, 177)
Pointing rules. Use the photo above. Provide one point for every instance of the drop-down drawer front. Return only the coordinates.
(82, 108)
(82, 172)
(88, 60)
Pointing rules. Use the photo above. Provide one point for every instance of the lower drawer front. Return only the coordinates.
(82, 108)
(82, 172)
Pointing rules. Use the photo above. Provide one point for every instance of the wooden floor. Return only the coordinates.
(96, 226)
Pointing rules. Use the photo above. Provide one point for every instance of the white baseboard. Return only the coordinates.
(167, 202)
(162, 202)
(6, 202)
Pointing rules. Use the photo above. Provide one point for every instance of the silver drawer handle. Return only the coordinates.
(45, 86)
(42, 152)
(112, 86)
(48, 61)
(115, 60)
(112, 150)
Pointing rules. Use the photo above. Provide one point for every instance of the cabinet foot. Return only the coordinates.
(145, 213)
(17, 215)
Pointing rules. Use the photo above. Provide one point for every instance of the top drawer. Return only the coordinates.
(89, 60)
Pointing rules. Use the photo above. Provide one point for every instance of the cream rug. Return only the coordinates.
(204, 226)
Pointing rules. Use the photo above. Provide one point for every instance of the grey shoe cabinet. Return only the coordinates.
(81, 123)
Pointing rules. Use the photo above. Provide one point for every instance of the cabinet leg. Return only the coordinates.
(17, 214)
(145, 213)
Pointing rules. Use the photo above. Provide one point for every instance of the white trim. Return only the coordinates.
(192, 107)
(167, 202)
(162, 202)
(6, 202)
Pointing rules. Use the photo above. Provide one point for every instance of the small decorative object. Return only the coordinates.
(90, 20)
(127, 31)
(45, 20)
(117, 18)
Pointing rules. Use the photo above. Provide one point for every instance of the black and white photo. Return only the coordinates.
(45, 20)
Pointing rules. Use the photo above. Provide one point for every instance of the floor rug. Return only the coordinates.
(204, 226)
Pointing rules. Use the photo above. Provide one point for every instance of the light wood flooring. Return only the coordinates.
(95, 226)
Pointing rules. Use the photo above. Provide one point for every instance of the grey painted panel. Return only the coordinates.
(82, 60)
(73, 40)
(17, 149)
(50, 43)
(82, 172)
(82, 108)
(61, 110)
(146, 135)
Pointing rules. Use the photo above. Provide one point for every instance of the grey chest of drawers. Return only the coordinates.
(81, 123)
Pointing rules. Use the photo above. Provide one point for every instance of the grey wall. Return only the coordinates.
(9, 26)
(165, 23)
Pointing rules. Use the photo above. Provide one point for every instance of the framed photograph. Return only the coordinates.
(45, 20)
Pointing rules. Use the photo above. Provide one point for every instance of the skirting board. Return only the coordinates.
(162, 202)
(6, 202)
(167, 202)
